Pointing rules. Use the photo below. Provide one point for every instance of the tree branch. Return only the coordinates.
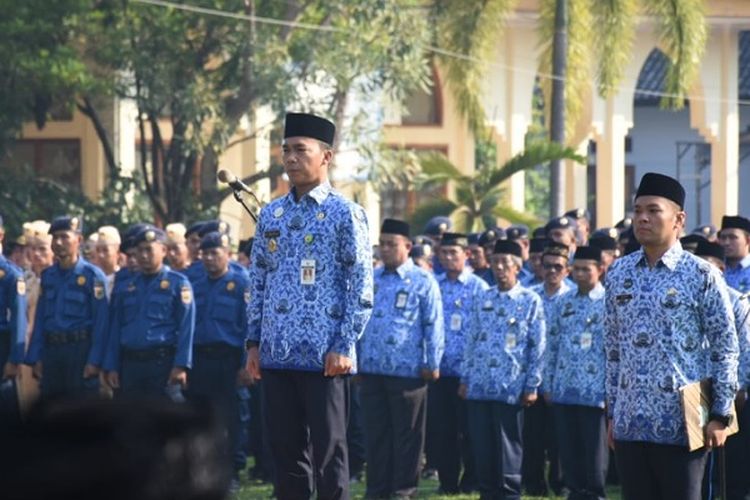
(87, 108)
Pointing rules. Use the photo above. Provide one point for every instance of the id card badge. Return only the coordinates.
(456, 322)
(510, 341)
(586, 340)
(307, 272)
(401, 298)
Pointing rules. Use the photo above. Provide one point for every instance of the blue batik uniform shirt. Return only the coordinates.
(71, 300)
(405, 333)
(548, 301)
(12, 310)
(458, 298)
(741, 308)
(738, 277)
(505, 345)
(152, 312)
(221, 309)
(322, 239)
(666, 327)
(575, 361)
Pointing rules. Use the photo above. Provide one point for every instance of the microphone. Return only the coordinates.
(234, 182)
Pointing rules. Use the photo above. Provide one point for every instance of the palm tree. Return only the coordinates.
(478, 197)
(600, 33)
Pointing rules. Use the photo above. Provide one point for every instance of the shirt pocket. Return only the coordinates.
(224, 309)
(75, 305)
(159, 309)
(129, 310)
(50, 302)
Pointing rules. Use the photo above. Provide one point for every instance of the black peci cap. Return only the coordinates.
(307, 125)
(588, 253)
(653, 184)
(507, 246)
(395, 226)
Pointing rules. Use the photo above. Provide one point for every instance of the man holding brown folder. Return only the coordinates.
(668, 323)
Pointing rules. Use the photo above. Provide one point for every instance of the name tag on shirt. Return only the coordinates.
(401, 298)
(510, 340)
(586, 340)
(307, 272)
(456, 322)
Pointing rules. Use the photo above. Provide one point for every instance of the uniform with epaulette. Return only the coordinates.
(221, 330)
(501, 373)
(152, 327)
(310, 298)
(574, 379)
(70, 325)
(669, 323)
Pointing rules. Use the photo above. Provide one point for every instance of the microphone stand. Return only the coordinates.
(238, 196)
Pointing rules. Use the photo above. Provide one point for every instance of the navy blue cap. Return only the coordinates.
(211, 226)
(438, 225)
(129, 235)
(563, 222)
(578, 213)
(307, 125)
(653, 184)
(491, 235)
(706, 230)
(537, 245)
(517, 232)
(195, 227)
(215, 239)
(608, 232)
(624, 223)
(66, 223)
(150, 234)
(603, 241)
(418, 251)
(539, 232)
(507, 246)
(474, 238)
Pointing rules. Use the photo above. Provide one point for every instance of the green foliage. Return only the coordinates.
(477, 201)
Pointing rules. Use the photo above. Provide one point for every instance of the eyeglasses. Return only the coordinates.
(554, 267)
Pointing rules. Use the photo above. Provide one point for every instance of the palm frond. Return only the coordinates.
(533, 155)
(682, 34)
(469, 28)
(428, 210)
(438, 170)
(614, 31)
(515, 216)
(462, 219)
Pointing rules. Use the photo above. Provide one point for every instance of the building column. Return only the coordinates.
(610, 164)
(715, 113)
(576, 187)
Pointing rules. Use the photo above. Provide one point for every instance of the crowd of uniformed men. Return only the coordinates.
(493, 359)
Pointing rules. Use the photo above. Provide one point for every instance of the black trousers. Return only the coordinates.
(452, 449)
(394, 411)
(306, 415)
(650, 471)
(496, 431)
(583, 451)
(738, 458)
(355, 432)
(540, 445)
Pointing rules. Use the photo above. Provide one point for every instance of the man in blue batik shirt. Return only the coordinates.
(310, 298)
(669, 323)
(70, 326)
(738, 445)
(399, 353)
(735, 238)
(501, 372)
(574, 377)
(458, 289)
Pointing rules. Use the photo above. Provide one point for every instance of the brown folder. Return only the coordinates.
(696, 406)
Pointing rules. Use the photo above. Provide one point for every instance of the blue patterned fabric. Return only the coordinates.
(152, 311)
(405, 332)
(666, 327)
(458, 299)
(575, 360)
(741, 308)
(738, 277)
(297, 324)
(548, 301)
(221, 309)
(71, 300)
(12, 310)
(505, 345)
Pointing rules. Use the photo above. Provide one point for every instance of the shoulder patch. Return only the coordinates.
(20, 286)
(186, 295)
(247, 295)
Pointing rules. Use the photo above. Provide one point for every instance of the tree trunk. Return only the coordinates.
(557, 119)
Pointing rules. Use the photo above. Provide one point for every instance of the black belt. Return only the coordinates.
(62, 338)
(149, 354)
(216, 349)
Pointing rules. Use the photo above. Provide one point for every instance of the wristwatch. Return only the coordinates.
(725, 420)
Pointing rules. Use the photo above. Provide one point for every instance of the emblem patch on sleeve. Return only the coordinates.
(21, 287)
(98, 290)
(186, 295)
